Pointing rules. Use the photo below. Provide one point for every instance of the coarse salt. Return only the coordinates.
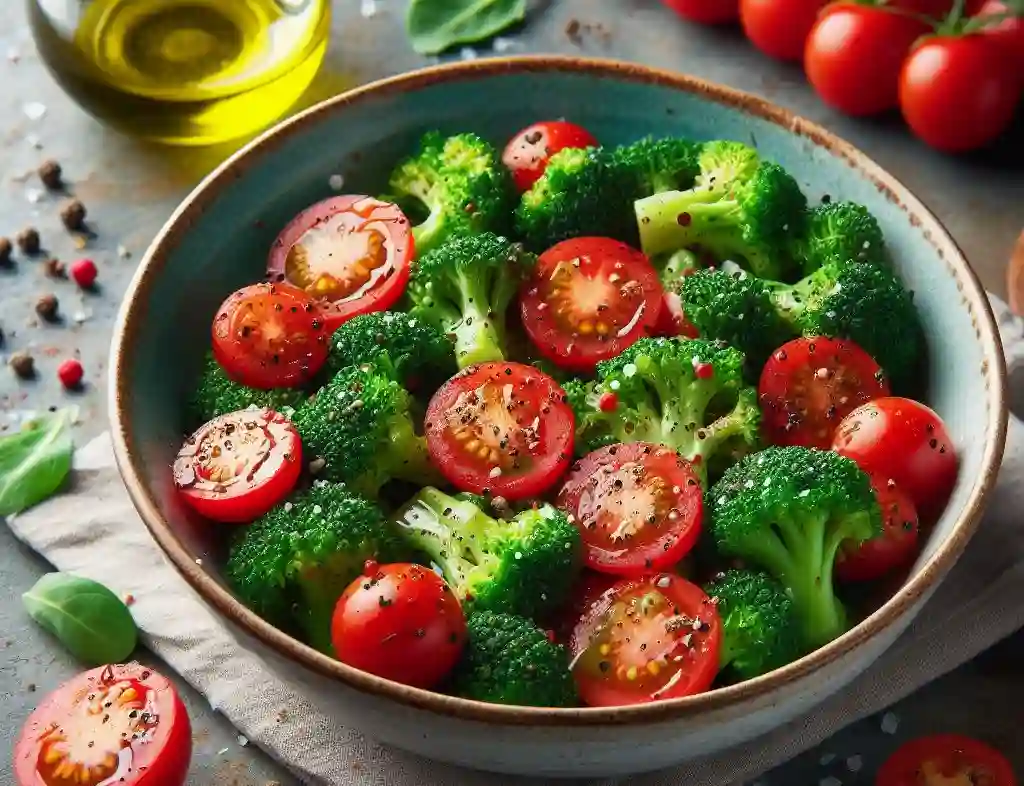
(890, 722)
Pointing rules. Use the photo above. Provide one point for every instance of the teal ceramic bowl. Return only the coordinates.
(218, 240)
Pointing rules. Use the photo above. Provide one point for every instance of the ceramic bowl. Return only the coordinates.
(218, 239)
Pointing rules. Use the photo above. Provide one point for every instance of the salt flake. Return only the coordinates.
(890, 722)
(368, 9)
(35, 110)
(336, 182)
(854, 763)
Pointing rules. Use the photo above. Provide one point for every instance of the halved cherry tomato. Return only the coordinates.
(672, 319)
(588, 299)
(239, 465)
(657, 637)
(400, 622)
(895, 547)
(638, 507)
(270, 336)
(589, 587)
(707, 12)
(946, 759)
(502, 429)
(779, 28)
(352, 253)
(809, 385)
(1008, 33)
(528, 152)
(120, 724)
(899, 439)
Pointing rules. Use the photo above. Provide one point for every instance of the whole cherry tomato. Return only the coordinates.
(1009, 32)
(779, 28)
(707, 12)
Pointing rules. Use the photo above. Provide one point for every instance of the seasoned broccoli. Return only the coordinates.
(675, 267)
(464, 289)
(760, 630)
(217, 394)
(723, 164)
(463, 184)
(840, 232)
(787, 511)
(508, 660)
(291, 565)
(661, 164)
(525, 566)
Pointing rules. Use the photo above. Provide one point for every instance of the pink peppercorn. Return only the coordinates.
(70, 373)
(84, 273)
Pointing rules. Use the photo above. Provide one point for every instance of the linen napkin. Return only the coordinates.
(290, 714)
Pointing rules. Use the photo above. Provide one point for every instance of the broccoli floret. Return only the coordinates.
(840, 232)
(291, 565)
(525, 565)
(463, 184)
(661, 164)
(675, 267)
(359, 425)
(508, 660)
(464, 289)
(760, 631)
(593, 425)
(217, 394)
(787, 511)
(723, 165)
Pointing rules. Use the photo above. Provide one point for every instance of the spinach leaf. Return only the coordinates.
(436, 25)
(88, 619)
(35, 461)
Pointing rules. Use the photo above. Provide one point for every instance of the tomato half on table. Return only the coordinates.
(351, 253)
(239, 465)
(656, 637)
(528, 152)
(809, 384)
(638, 507)
(946, 759)
(123, 725)
(588, 299)
(894, 548)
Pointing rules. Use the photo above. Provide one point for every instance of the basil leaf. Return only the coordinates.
(88, 619)
(35, 461)
(436, 25)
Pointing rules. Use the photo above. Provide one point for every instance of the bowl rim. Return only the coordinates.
(132, 312)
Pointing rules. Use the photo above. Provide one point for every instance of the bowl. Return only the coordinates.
(217, 240)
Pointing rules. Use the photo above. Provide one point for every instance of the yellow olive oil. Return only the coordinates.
(184, 72)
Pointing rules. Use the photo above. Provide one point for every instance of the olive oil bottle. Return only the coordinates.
(184, 72)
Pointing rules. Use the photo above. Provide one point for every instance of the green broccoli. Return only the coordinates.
(723, 164)
(291, 565)
(461, 181)
(525, 565)
(661, 164)
(760, 630)
(840, 232)
(217, 394)
(674, 268)
(508, 660)
(787, 511)
(464, 289)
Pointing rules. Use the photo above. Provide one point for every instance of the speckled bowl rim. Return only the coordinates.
(133, 312)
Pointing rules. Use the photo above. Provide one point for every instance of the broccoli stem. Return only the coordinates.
(456, 555)
(661, 230)
(477, 338)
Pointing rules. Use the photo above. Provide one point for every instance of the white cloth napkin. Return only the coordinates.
(290, 713)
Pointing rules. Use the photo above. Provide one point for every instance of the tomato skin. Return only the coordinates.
(528, 152)
(936, 9)
(672, 319)
(893, 549)
(854, 54)
(940, 758)
(779, 28)
(958, 93)
(706, 12)
(400, 622)
(1009, 33)
(590, 586)
(75, 707)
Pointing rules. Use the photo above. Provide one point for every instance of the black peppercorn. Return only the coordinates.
(73, 215)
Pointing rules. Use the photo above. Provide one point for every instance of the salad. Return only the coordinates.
(569, 423)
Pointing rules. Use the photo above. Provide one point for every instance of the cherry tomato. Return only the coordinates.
(904, 441)
(270, 336)
(400, 622)
(352, 253)
(501, 428)
(707, 12)
(588, 299)
(936, 9)
(528, 152)
(946, 758)
(958, 93)
(120, 724)
(638, 507)
(854, 53)
(239, 465)
(656, 637)
(809, 385)
(672, 319)
(590, 586)
(893, 549)
(1008, 33)
(779, 28)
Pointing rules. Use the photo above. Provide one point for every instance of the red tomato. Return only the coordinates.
(120, 724)
(936, 9)
(638, 507)
(239, 465)
(672, 319)
(707, 12)
(779, 28)
(528, 152)
(958, 93)
(400, 622)
(904, 441)
(946, 758)
(270, 336)
(809, 385)
(1009, 33)
(590, 586)
(588, 299)
(657, 637)
(854, 53)
(502, 429)
(893, 549)
(352, 253)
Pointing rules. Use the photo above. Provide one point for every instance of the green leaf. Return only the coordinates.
(436, 25)
(35, 461)
(88, 619)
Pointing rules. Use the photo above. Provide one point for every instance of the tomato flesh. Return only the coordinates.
(707, 12)
(351, 253)
(528, 152)
(672, 320)
(946, 760)
(588, 299)
(893, 549)
(638, 507)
